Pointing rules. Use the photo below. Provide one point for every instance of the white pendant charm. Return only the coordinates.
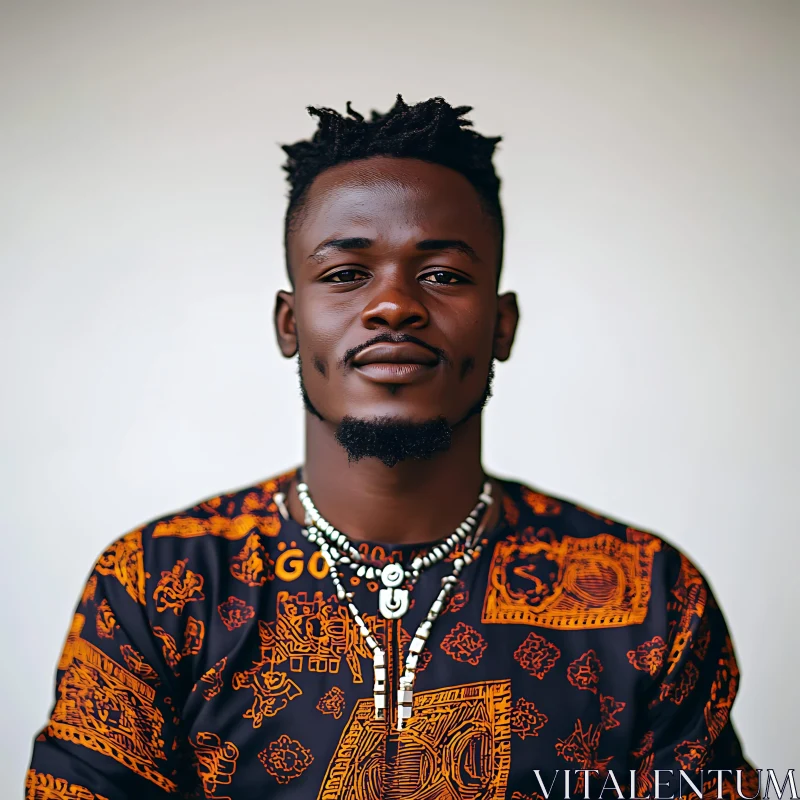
(393, 603)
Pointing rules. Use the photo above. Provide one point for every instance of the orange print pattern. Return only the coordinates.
(213, 677)
(228, 519)
(649, 657)
(540, 504)
(691, 755)
(89, 590)
(526, 719)
(235, 612)
(102, 706)
(580, 747)
(464, 643)
(457, 744)
(609, 708)
(193, 637)
(105, 621)
(680, 689)
(285, 759)
(124, 561)
(135, 662)
(41, 786)
(216, 763)
(252, 565)
(537, 655)
(168, 648)
(332, 702)
(584, 672)
(178, 587)
(597, 582)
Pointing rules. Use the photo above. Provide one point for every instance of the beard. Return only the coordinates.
(393, 439)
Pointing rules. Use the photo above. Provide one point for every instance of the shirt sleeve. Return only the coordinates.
(113, 732)
(689, 725)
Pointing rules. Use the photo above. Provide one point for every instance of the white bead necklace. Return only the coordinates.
(393, 600)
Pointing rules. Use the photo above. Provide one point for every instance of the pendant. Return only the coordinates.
(393, 603)
(392, 600)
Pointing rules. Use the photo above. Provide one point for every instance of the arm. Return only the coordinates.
(688, 725)
(113, 730)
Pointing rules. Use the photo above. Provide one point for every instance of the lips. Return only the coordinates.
(401, 353)
(395, 363)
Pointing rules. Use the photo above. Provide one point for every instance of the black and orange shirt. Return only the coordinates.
(210, 658)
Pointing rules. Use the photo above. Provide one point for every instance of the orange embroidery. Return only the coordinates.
(537, 655)
(104, 707)
(124, 560)
(609, 708)
(178, 587)
(106, 622)
(235, 612)
(599, 582)
(285, 759)
(168, 648)
(89, 590)
(135, 662)
(456, 745)
(541, 504)
(216, 762)
(213, 677)
(332, 702)
(526, 719)
(193, 637)
(464, 643)
(649, 657)
(584, 672)
(42, 786)
(253, 565)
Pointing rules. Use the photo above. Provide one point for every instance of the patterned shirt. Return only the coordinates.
(209, 657)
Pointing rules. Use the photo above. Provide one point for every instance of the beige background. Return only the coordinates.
(650, 168)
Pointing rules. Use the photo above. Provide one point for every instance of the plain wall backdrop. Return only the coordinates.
(650, 183)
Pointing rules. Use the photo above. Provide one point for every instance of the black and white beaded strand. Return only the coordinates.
(336, 548)
(393, 598)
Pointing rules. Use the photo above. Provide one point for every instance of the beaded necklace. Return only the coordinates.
(393, 599)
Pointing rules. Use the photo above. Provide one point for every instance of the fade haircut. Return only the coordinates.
(432, 131)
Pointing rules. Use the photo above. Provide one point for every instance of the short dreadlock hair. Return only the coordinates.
(432, 131)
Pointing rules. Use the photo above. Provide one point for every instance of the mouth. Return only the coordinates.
(398, 363)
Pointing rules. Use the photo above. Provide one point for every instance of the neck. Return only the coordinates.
(412, 502)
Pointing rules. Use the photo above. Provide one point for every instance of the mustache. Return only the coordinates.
(393, 338)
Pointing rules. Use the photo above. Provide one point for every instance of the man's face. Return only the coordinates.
(402, 251)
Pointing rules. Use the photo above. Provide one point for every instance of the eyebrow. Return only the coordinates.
(361, 243)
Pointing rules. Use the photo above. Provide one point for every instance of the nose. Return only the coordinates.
(396, 306)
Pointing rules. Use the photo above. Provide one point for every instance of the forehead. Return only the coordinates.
(396, 202)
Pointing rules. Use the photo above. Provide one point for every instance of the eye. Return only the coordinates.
(345, 276)
(442, 276)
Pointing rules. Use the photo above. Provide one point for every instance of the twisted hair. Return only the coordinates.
(432, 131)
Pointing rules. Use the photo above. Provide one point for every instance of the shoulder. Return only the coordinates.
(589, 569)
(198, 537)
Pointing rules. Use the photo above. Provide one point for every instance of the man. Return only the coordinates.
(389, 621)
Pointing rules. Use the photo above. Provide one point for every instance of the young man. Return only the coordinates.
(389, 621)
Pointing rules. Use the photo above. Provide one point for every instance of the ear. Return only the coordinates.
(285, 323)
(506, 325)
